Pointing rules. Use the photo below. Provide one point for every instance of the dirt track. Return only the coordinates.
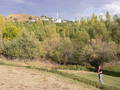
(17, 78)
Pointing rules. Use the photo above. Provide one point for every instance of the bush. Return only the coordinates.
(97, 52)
(25, 46)
(10, 31)
(63, 52)
(1, 46)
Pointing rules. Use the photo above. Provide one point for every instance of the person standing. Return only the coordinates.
(100, 74)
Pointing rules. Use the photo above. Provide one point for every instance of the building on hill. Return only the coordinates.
(34, 20)
(58, 19)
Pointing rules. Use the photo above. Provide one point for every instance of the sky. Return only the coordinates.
(67, 9)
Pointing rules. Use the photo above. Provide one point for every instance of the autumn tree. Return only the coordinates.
(1, 25)
(97, 52)
(10, 31)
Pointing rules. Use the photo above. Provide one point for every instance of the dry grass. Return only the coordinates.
(37, 63)
(18, 78)
(20, 17)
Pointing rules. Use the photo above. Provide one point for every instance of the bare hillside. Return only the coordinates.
(20, 17)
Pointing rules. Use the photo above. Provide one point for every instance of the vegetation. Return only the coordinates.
(93, 41)
(108, 80)
(73, 67)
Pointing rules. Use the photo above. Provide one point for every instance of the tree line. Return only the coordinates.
(91, 41)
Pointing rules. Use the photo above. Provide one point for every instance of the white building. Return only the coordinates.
(58, 20)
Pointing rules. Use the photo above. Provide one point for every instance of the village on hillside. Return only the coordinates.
(31, 18)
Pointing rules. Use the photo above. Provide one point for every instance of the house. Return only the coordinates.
(58, 20)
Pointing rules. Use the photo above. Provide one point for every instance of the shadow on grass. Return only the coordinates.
(111, 73)
(106, 72)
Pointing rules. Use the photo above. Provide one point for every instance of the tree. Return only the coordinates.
(26, 46)
(115, 18)
(99, 31)
(1, 46)
(80, 39)
(30, 18)
(101, 18)
(97, 52)
(93, 19)
(108, 16)
(63, 52)
(114, 30)
(10, 31)
(82, 21)
(1, 26)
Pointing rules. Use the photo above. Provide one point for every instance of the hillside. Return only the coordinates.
(15, 75)
(18, 78)
(20, 17)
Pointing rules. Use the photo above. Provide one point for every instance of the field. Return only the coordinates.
(108, 80)
(20, 78)
(25, 76)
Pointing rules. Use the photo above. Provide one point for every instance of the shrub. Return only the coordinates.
(10, 31)
(1, 46)
(63, 52)
(98, 52)
(25, 46)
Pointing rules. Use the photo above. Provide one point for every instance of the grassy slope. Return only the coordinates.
(36, 80)
(108, 80)
(15, 78)
(75, 76)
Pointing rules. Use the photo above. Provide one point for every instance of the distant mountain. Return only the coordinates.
(20, 17)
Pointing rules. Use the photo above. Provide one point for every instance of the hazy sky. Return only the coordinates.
(67, 9)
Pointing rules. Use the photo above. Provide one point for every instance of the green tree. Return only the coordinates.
(82, 21)
(26, 46)
(114, 30)
(115, 18)
(108, 16)
(98, 52)
(1, 26)
(101, 18)
(100, 31)
(108, 19)
(63, 52)
(1, 46)
(10, 31)
(93, 19)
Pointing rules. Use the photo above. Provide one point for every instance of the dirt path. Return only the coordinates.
(17, 78)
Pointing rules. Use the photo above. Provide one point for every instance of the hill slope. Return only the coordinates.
(18, 78)
(20, 17)
(108, 80)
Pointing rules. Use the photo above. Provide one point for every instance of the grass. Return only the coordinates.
(75, 77)
(112, 70)
(72, 67)
(108, 80)
(108, 70)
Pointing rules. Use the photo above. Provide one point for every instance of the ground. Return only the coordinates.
(19, 78)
